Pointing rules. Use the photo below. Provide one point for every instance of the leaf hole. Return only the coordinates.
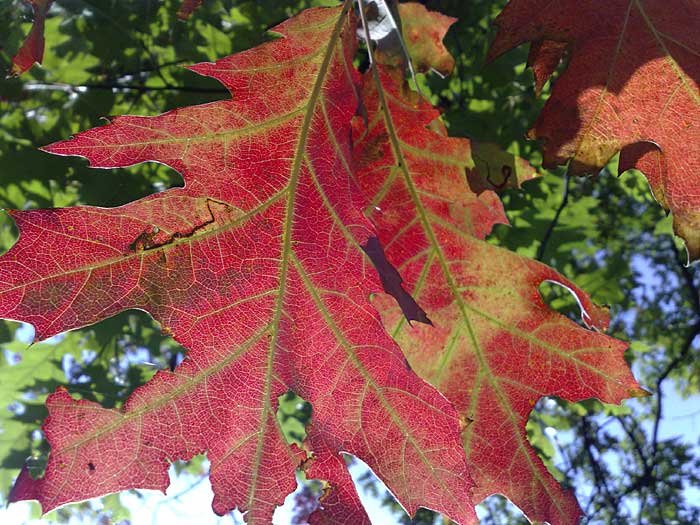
(293, 415)
(562, 300)
(499, 509)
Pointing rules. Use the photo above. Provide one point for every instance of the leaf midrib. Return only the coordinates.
(273, 326)
(395, 144)
(286, 249)
(425, 218)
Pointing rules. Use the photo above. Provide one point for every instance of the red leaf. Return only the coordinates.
(32, 51)
(256, 267)
(422, 32)
(187, 8)
(544, 58)
(339, 504)
(495, 347)
(631, 84)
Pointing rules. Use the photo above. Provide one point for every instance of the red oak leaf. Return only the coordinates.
(422, 34)
(32, 50)
(494, 348)
(256, 267)
(631, 84)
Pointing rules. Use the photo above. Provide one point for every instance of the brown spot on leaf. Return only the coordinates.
(305, 462)
(145, 240)
(325, 491)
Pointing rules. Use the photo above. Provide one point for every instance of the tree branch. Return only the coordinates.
(116, 87)
(550, 229)
(599, 476)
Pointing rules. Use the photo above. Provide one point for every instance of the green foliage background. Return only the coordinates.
(109, 57)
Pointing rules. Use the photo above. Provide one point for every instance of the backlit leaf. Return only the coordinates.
(256, 267)
(495, 348)
(32, 50)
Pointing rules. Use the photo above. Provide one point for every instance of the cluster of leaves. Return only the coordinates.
(483, 301)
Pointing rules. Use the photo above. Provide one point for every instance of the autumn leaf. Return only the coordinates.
(631, 84)
(495, 348)
(422, 34)
(32, 50)
(256, 267)
(187, 8)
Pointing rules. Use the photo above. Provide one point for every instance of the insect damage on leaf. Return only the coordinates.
(211, 216)
(496, 169)
(256, 267)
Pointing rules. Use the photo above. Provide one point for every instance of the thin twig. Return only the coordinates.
(119, 87)
(644, 460)
(694, 331)
(599, 476)
(550, 229)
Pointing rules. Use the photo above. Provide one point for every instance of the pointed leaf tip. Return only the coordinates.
(32, 50)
